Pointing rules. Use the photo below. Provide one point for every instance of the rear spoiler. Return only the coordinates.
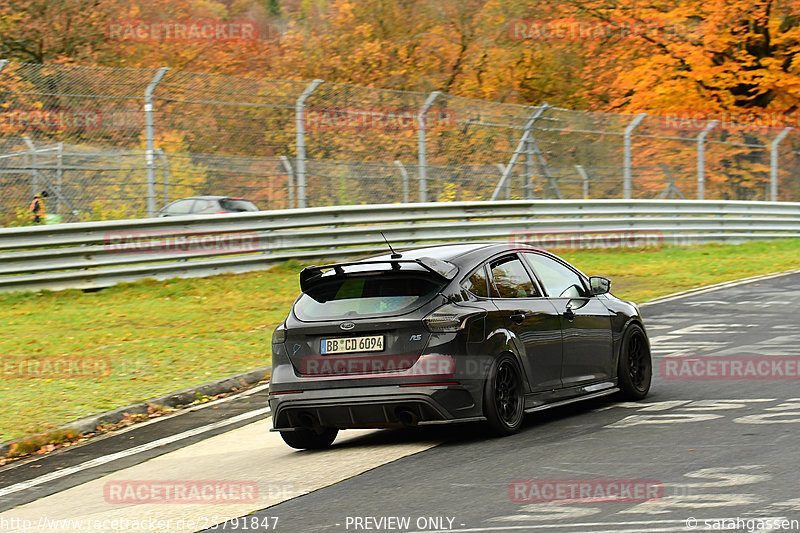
(310, 275)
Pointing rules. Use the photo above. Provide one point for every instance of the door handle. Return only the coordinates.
(569, 314)
(518, 316)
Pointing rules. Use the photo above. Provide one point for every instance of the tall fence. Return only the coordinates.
(121, 143)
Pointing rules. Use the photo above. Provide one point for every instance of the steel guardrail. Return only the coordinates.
(90, 255)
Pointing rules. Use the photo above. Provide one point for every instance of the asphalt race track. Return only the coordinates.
(715, 447)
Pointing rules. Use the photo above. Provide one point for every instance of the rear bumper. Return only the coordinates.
(382, 406)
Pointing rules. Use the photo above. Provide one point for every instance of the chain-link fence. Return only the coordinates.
(120, 143)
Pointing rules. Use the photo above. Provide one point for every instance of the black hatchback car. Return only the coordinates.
(450, 333)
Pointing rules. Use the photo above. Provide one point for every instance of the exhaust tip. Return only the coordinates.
(307, 420)
(406, 416)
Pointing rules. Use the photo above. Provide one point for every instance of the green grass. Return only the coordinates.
(158, 337)
(642, 275)
(164, 336)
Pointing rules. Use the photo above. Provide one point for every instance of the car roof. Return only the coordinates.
(207, 197)
(461, 254)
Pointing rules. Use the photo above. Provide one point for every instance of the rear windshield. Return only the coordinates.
(365, 296)
(237, 205)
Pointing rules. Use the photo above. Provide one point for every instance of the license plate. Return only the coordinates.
(373, 343)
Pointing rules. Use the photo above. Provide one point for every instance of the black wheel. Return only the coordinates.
(635, 369)
(310, 439)
(503, 401)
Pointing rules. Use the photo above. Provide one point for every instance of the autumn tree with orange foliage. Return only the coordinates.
(713, 58)
(715, 55)
(732, 61)
(44, 31)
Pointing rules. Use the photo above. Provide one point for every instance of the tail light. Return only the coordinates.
(279, 335)
(451, 318)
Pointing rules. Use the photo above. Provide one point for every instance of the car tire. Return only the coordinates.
(635, 367)
(310, 439)
(504, 397)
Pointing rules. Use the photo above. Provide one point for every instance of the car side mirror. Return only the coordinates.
(599, 285)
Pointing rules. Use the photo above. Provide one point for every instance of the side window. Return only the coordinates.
(204, 206)
(559, 281)
(511, 280)
(476, 283)
(181, 207)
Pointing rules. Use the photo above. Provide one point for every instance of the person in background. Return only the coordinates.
(37, 208)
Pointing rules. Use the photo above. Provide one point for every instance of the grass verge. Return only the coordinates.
(149, 338)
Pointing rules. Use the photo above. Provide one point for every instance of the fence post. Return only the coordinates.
(38, 178)
(701, 159)
(3, 63)
(422, 132)
(627, 180)
(59, 174)
(671, 191)
(773, 166)
(149, 134)
(529, 171)
(300, 125)
(404, 175)
(585, 178)
(165, 172)
(523, 145)
(34, 166)
(502, 168)
(289, 181)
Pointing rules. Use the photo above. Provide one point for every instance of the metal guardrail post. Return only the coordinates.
(422, 134)
(627, 178)
(289, 181)
(773, 163)
(404, 174)
(300, 125)
(149, 134)
(701, 159)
